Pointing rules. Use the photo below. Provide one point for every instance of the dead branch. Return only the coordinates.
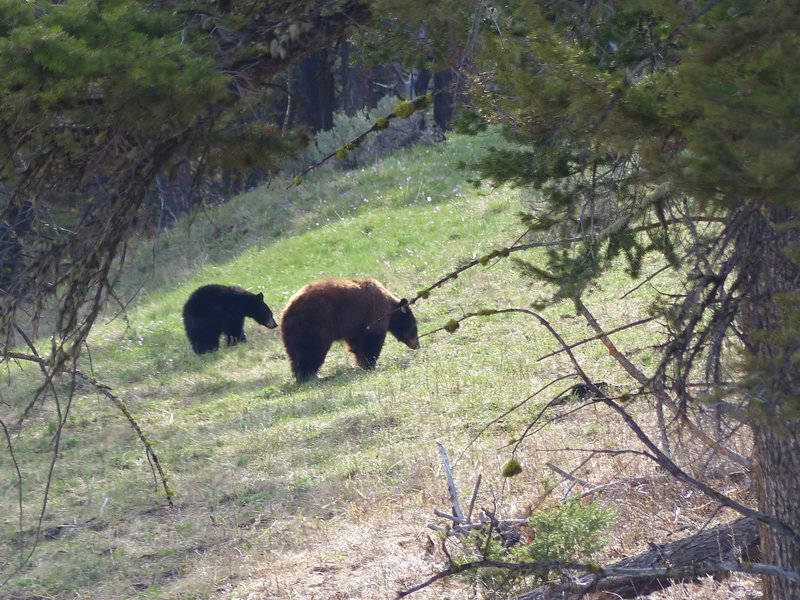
(456, 568)
(451, 486)
(643, 380)
(654, 452)
(474, 497)
(644, 282)
(565, 474)
(598, 336)
(727, 548)
(464, 524)
(419, 103)
(717, 551)
(681, 475)
(517, 406)
(714, 552)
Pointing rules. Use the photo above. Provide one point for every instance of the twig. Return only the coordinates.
(682, 475)
(418, 103)
(598, 451)
(709, 552)
(454, 569)
(646, 279)
(656, 453)
(604, 486)
(451, 486)
(598, 336)
(474, 496)
(566, 475)
(515, 407)
(444, 515)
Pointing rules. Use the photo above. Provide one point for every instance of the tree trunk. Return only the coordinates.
(355, 80)
(772, 331)
(327, 92)
(443, 100)
(422, 80)
(777, 453)
(312, 91)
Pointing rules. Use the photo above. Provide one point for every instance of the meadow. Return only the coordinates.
(324, 490)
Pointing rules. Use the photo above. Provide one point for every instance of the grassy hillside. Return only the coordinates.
(321, 490)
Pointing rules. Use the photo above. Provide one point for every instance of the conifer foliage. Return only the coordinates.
(97, 99)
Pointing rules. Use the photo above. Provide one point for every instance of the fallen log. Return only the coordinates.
(711, 552)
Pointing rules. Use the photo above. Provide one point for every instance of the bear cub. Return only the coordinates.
(360, 312)
(215, 309)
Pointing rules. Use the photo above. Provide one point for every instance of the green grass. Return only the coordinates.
(262, 467)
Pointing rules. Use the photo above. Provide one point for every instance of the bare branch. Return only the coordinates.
(646, 279)
(599, 336)
(656, 453)
(451, 486)
(474, 497)
(516, 407)
(681, 475)
(118, 402)
(504, 252)
(720, 550)
(643, 380)
(565, 474)
(418, 104)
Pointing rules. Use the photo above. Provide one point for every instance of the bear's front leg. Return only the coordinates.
(233, 328)
(366, 348)
(234, 339)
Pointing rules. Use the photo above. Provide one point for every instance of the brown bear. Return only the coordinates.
(360, 312)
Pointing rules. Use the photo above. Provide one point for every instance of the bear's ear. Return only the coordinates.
(260, 295)
(403, 305)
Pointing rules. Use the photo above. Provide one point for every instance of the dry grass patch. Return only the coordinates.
(377, 543)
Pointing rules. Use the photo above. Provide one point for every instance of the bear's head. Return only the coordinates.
(261, 312)
(403, 325)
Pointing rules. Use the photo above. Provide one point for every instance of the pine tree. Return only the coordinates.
(675, 128)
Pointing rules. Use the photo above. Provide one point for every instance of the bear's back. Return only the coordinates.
(211, 291)
(219, 299)
(341, 306)
(338, 293)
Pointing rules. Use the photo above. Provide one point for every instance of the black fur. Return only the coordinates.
(216, 309)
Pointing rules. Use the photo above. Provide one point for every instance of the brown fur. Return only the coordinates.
(359, 312)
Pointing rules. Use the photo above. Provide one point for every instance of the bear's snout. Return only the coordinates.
(271, 324)
(413, 344)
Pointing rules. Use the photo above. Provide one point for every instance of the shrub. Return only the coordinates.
(399, 133)
(569, 532)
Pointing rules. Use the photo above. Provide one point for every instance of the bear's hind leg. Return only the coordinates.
(306, 358)
(202, 326)
(205, 342)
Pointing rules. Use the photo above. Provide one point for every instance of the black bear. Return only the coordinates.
(360, 312)
(214, 309)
